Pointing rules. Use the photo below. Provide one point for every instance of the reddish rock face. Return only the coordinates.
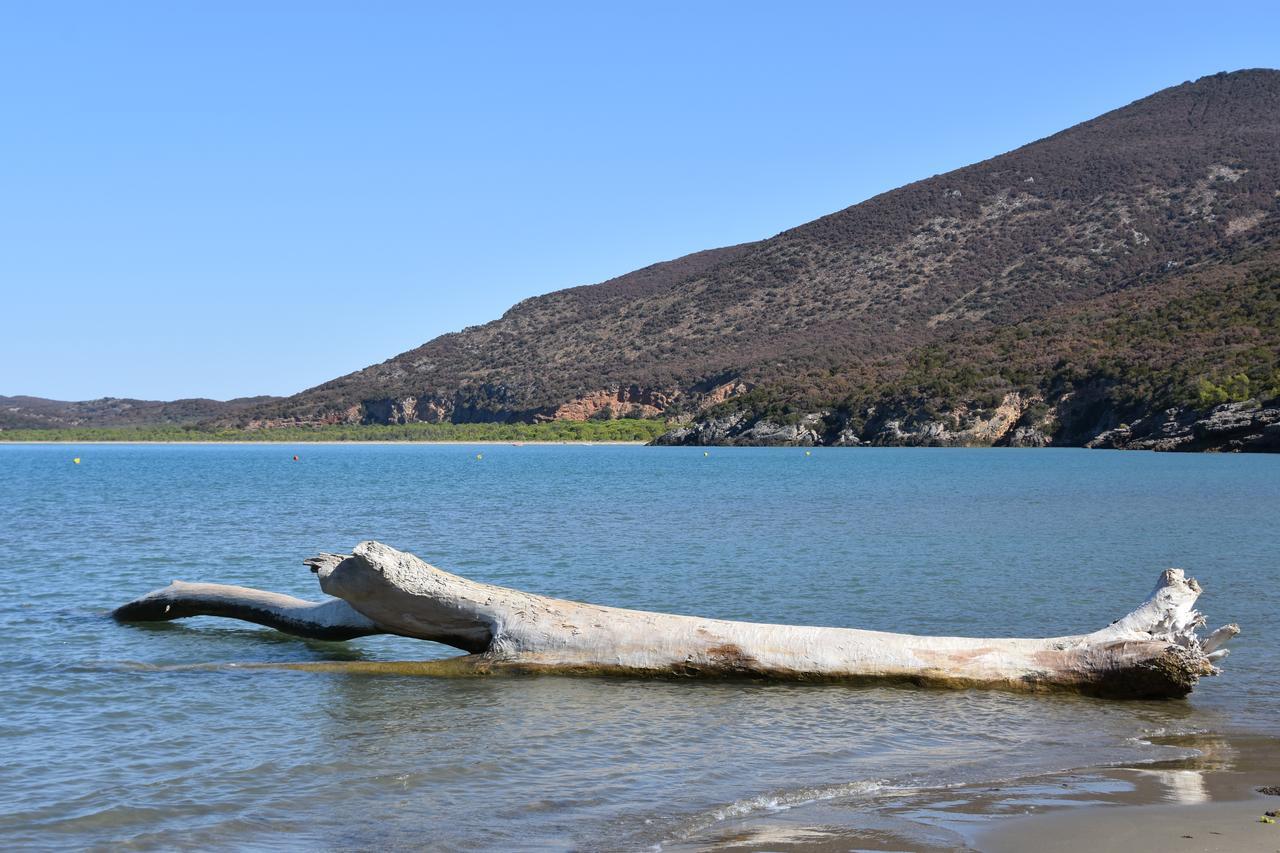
(625, 402)
(720, 393)
(350, 415)
(635, 401)
(433, 411)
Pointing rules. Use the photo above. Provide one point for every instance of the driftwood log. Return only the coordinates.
(1153, 652)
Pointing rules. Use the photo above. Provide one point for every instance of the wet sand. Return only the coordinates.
(1226, 827)
(1208, 802)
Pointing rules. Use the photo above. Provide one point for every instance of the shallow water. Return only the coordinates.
(102, 746)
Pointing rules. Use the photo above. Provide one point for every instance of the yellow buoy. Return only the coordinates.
(808, 453)
(479, 455)
(706, 453)
(76, 460)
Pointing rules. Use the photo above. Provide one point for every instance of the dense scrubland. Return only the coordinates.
(1204, 337)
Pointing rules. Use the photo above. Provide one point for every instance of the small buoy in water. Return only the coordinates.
(706, 453)
(295, 459)
(808, 453)
(76, 460)
(479, 455)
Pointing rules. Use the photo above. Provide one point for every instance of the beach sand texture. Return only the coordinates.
(1208, 802)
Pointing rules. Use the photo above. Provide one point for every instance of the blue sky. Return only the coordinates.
(223, 199)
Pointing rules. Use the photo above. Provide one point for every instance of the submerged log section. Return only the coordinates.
(1153, 652)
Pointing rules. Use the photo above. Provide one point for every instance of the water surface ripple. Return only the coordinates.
(105, 746)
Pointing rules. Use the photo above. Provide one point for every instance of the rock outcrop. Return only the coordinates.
(489, 403)
(965, 426)
(740, 430)
(1019, 421)
(1246, 426)
(630, 402)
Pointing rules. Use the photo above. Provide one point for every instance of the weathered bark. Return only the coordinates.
(1153, 652)
(330, 620)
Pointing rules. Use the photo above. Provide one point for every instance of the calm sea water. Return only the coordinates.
(101, 747)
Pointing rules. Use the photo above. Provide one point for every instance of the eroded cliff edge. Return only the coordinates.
(1019, 421)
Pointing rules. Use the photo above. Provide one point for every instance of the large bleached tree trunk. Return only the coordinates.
(1153, 652)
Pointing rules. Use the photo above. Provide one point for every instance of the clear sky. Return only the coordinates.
(232, 198)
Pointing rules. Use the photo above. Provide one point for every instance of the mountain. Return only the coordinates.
(1110, 284)
(899, 304)
(39, 413)
(1189, 361)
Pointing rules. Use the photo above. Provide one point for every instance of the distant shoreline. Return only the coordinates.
(612, 431)
(357, 441)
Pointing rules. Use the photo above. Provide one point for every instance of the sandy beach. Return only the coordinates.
(1208, 802)
(1226, 827)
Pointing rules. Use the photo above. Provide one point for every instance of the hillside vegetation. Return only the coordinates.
(628, 429)
(41, 413)
(1206, 336)
(1114, 271)
(960, 286)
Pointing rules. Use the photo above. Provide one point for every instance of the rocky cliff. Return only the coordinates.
(1251, 425)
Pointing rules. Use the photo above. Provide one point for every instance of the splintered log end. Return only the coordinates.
(324, 563)
(1211, 644)
(1157, 649)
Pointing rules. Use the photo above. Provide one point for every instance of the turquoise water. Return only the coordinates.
(102, 747)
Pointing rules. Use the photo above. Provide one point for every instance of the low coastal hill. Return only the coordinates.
(39, 413)
(1105, 274)
(1110, 285)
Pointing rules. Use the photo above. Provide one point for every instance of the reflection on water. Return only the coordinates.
(1187, 783)
(106, 741)
(1186, 787)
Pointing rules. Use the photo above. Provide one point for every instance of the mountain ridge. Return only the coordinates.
(26, 412)
(1133, 194)
(839, 314)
